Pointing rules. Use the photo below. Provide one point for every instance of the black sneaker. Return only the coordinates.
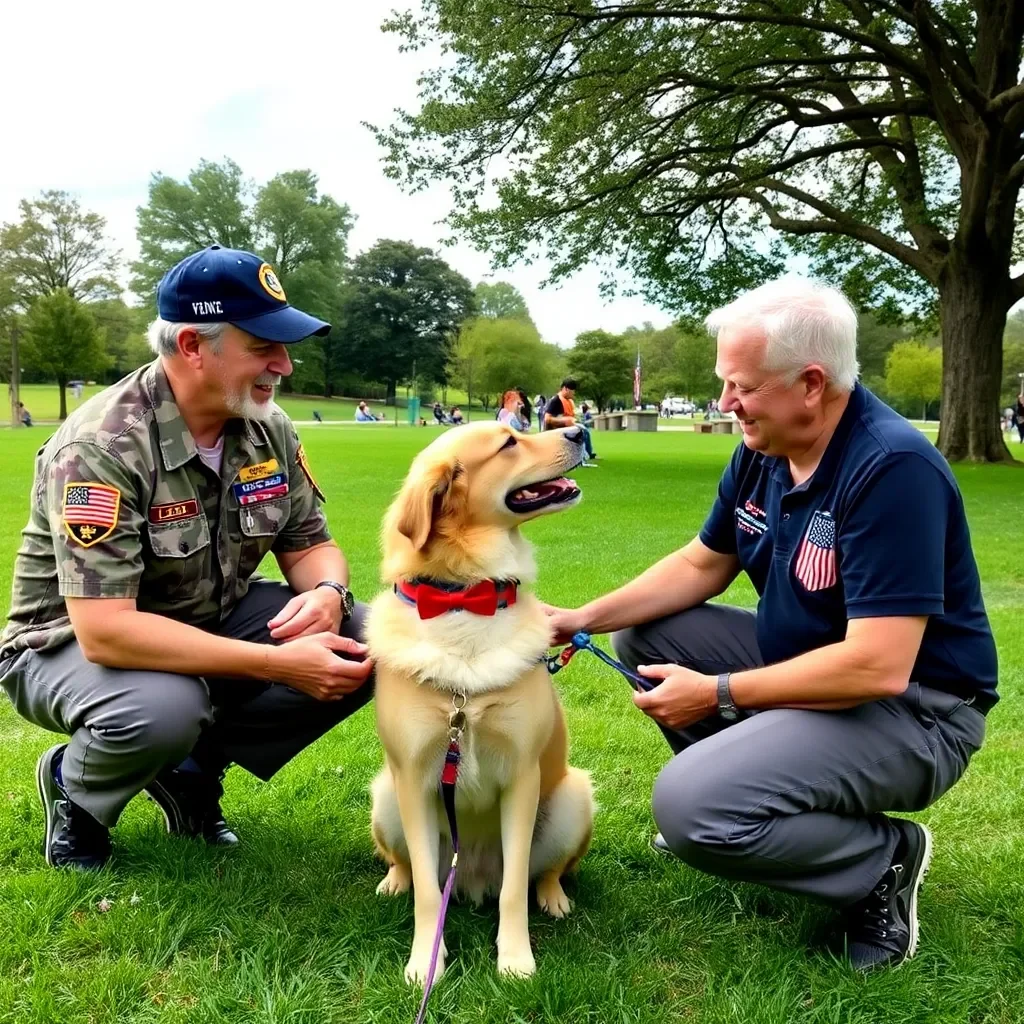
(190, 802)
(881, 929)
(74, 838)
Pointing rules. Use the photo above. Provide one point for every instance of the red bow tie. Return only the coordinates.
(481, 599)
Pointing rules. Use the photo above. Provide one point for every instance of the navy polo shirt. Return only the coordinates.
(878, 530)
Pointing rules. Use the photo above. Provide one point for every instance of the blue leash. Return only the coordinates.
(581, 642)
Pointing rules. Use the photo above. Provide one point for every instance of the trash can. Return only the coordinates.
(414, 411)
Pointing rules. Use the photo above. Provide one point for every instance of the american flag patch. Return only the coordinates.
(816, 559)
(90, 511)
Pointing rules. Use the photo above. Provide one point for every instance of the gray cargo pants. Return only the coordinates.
(795, 799)
(125, 726)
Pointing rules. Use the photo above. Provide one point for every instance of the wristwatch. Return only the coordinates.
(348, 602)
(726, 708)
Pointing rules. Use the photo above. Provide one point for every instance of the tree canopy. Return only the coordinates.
(501, 301)
(61, 337)
(698, 145)
(56, 245)
(602, 365)
(401, 312)
(913, 375)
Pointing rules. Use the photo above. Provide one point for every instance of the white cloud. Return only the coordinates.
(101, 95)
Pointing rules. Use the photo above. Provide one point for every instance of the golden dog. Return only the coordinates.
(522, 812)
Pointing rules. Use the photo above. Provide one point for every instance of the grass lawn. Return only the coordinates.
(287, 929)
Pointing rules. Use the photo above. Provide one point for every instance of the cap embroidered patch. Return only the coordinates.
(303, 461)
(172, 510)
(270, 283)
(258, 472)
(90, 511)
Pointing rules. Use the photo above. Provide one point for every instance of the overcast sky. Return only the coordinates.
(101, 95)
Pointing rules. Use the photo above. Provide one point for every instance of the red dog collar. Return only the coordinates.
(481, 599)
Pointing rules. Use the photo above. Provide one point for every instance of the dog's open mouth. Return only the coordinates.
(548, 492)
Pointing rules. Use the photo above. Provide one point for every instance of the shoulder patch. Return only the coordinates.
(303, 461)
(90, 511)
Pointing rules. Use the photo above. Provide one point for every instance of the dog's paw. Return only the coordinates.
(396, 881)
(417, 968)
(516, 962)
(552, 899)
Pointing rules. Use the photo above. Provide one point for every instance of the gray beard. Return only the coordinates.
(245, 406)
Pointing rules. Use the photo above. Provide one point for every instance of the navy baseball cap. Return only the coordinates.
(236, 287)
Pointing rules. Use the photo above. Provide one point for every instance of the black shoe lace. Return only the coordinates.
(874, 917)
(79, 832)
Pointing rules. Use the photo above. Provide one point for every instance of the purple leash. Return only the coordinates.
(449, 776)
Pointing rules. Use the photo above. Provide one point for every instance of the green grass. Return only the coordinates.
(287, 929)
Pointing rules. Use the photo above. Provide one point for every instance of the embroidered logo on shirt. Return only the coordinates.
(748, 521)
(90, 511)
(259, 471)
(261, 490)
(816, 559)
(173, 510)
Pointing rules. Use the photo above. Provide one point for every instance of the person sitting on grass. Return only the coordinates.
(456, 415)
(861, 683)
(363, 414)
(135, 627)
(561, 412)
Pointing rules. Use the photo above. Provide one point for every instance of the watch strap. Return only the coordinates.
(726, 706)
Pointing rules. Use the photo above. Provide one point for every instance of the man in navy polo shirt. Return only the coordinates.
(860, 685)
(135, 627)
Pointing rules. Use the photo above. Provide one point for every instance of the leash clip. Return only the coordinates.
(457, 717)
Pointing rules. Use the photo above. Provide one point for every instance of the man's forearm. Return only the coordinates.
(671, 585)
(132, 639)
(830, 678)
(305, 569)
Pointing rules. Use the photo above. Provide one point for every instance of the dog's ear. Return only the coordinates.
(426, 500)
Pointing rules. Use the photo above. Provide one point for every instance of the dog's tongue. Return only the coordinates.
(543, 490)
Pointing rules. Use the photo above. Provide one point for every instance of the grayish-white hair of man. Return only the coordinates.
(163, 335)
(804, 322)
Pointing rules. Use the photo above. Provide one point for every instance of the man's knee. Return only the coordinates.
(164, 717)
(694, 807)
(626, 646)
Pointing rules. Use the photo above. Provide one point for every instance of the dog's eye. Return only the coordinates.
(510, 443)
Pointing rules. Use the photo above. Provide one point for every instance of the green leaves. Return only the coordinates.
(55, 245)
(401, 309)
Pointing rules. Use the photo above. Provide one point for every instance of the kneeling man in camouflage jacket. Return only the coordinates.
(135, 627)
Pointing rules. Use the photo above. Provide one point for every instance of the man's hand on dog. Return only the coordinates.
(680, 699)
(315, 611)
(311, 664)
(564, 622)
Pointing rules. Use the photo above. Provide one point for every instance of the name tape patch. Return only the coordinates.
(173, 510)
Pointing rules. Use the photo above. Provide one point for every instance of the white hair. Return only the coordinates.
(803, 322)
(163, 335)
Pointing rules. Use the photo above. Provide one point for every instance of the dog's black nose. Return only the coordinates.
(574, 434)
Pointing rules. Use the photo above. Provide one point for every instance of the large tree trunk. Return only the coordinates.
(972, 307)
(62, 384)
(389, 398)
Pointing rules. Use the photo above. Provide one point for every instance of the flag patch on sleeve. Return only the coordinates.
(90, 511)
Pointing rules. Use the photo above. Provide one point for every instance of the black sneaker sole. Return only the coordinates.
(49, 794)
(922, 870)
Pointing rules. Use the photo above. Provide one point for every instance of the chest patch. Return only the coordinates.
(816, 559)
(267, 489)
(260, 471)
(171, 511)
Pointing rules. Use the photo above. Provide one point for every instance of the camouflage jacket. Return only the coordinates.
(123, 507)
